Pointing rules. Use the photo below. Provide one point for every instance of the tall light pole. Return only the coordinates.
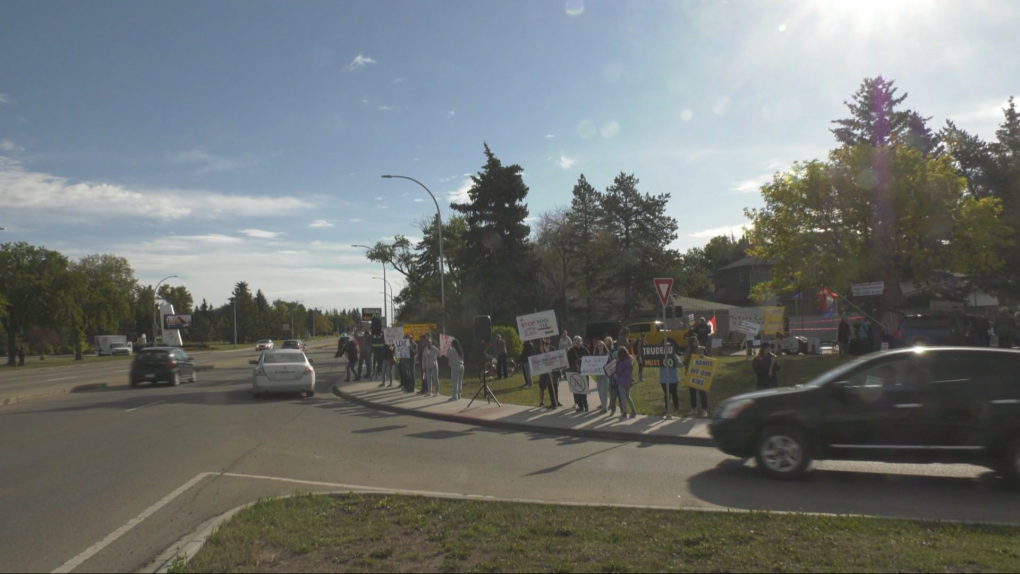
(384, 278)
(155, 310)
(393, 313)
(439, 224)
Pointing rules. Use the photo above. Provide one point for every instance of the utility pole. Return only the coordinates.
(235, 322)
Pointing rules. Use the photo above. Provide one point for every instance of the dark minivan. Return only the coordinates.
(922, 405)
(162, 364)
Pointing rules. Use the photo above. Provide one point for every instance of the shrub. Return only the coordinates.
(514, 346)
(65, 350)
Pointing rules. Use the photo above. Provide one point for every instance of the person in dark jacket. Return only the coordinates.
(766, 367)
(844, 338)
(352, 360)
(704, 332)
(529, 350)
(574, 355)
(21, 356)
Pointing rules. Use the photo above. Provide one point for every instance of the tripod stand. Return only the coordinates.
(489, 395)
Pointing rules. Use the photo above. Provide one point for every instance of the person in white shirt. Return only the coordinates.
(430, 360)
(455, 354)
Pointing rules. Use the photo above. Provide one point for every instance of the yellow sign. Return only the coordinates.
(700, 373)
(419, 329)
(774, 320)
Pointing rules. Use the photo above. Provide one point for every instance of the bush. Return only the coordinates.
(47, 349)
(65, 350)
(514, 346)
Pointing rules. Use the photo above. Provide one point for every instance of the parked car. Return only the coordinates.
(264, 345)
(162, 364)
(283, 370)
(120, 349)
(921, 405)
(932, 330)
(294, 344)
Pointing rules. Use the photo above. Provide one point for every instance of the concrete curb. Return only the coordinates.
(524, 427)
(186, 548)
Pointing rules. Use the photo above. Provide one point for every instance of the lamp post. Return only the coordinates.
(393, 313)
(383, 278)
(439, 224)
(155, 310)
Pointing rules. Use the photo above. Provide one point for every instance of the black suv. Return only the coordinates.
(162, 364)
(925, 405)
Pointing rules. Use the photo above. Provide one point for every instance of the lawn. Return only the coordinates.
(733, 377)
(375, 533)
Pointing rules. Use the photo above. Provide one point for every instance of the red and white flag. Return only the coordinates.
(826, 298)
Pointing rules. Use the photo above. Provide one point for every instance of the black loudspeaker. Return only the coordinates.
(376, 326)
(483, 329)
(670, 312)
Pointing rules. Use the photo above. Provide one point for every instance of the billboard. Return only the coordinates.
(176, 321)
(368, 312)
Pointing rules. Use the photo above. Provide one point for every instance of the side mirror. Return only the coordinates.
(253, 362)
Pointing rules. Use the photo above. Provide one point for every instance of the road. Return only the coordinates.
(80, 470)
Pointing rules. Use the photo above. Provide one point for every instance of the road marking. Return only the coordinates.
(143, 406)
(99, 546)
(59, 379)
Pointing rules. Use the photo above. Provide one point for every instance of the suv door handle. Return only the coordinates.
(909, 406)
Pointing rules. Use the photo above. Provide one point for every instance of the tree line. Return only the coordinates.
(55, 304)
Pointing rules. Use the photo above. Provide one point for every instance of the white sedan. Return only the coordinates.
(283, 371)
(264, 345)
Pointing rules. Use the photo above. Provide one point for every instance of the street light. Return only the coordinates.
(439, 224)
(155, 309)
(384, 278)
(393, 313)
(391, 300)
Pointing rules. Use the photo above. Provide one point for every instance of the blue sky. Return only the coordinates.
(236, 141)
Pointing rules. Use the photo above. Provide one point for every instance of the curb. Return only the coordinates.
(186, 548)
(524, 427)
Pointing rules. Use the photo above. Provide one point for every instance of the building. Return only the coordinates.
(734, 282)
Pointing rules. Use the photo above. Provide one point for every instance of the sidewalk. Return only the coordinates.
(564, 421)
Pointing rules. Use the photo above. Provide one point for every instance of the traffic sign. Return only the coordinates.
(663, 288)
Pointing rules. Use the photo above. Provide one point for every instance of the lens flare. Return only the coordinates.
(587, 129)
(575, 7)
(782, 27)
(610, 129)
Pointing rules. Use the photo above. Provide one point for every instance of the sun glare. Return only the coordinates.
(870, 16)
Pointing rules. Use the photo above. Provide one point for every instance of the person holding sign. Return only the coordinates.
(669, 378)
(602, 381)
(614, 388)
(455, 354)
(694, 348)
(546, 381)
(766, 367)
(528, 351)
(574, 355)
(430, 360)
(624, 381)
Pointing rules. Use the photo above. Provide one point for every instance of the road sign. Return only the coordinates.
(868, 289)
(663, 288)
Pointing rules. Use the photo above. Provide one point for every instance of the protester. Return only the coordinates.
(499, 349)
(340, 346)
(545, 382)
(843, 336)
(565, 343)
(669, 379)
(704, 333)
(694, 347)
(386, 368)
(863, 338)
(352, 360)
(21, 356)
(614, 389)
(624, 381)
(430, 361)
(407, 365)
(624, 340)
(455, 355)
(602, 381)
(1005, 328)
(979, 331)
(574, 355)
(529, 350)
(365, 354)
(423, 343)
(766, 367)
(639, 356)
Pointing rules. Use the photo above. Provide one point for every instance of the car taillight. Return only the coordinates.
(173, 363)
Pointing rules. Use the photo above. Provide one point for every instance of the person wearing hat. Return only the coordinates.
(766, 367)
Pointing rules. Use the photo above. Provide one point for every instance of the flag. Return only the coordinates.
(712, 324)
(826, 299)
(690, 318)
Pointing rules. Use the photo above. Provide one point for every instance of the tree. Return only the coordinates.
(496, 251)
(640, 232)
(32, 280)
(245, 308)
(179, 297)
(874, 119)
(589, 247)
(554, 253)
(103, 295)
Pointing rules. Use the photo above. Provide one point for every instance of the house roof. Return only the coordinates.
(747, 262)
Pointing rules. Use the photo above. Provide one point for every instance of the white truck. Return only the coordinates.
(112, 345)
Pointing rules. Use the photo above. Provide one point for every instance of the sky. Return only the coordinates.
(232, 141)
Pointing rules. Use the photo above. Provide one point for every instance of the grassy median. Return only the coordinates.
(35, 362)
(733, 377)
(359, 533)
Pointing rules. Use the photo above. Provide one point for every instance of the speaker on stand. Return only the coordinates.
(483, 336)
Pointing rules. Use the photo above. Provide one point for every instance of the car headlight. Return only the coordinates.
(733, 410)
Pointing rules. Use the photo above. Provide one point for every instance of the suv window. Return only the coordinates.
(150, 356)
(640, 328)
(880, 378)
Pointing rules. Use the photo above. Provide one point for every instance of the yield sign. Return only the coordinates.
(663, 287)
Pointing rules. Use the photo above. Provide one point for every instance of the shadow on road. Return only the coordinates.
(985, 498)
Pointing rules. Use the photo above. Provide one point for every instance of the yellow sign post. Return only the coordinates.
(700, 373)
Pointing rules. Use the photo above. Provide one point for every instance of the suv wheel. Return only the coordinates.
(176, 379)
(783, 452)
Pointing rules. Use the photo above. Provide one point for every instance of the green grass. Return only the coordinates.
(34, 362)
(357, 533)
(733, 377)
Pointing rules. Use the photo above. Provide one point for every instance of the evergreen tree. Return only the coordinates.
(874, 118)
(588, 246)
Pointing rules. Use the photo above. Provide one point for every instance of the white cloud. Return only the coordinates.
(460, 195)
(566, 162)
(355, 220)
(391, 108)
(736, 230)
(399, 80)
(610, 129)
(208, 163)
(260, 234)
(451, 178)
(319, 224)
(416, 159)
(451, 113)
(379, 198)
(752, 185)
(550, 136)
(5, 99)
(721, 106)
(686, 115)
(985, 111)
(359, 61)
(28, 190)
(419, 200)
(8, 145)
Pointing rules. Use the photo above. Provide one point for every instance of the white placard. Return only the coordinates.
(548, 362)
(393, 334)
(444, 344)
(610, 369)
(578, 383)
(537, 325)
(885, 346)
(403, 349)
(749, 327)
(593, 365)
(868, 289)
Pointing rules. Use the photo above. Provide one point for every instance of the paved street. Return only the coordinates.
(78, 469)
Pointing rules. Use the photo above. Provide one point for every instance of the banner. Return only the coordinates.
(868, 289)
(368, 312)
(768, 318)
(700, 373)
(444, 344)
(537, 326)
(403, 349)
(748, 327)
(417, 330)
(548, 362)
(176, 321)
(610, 369)
(774, 319)
(653, 354)
(594, 365)
(392, 334)
(579, 384)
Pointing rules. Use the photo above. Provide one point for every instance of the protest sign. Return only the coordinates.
(444, 344)
(700, 373)
(393, 334)
(548, 362)
(578, 383)
(749, 327)
(537, 325)
(419, 329)
(610, 369)
(403, 349)
(594, 365)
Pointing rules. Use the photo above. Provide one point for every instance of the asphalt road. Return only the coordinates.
(80, 470)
